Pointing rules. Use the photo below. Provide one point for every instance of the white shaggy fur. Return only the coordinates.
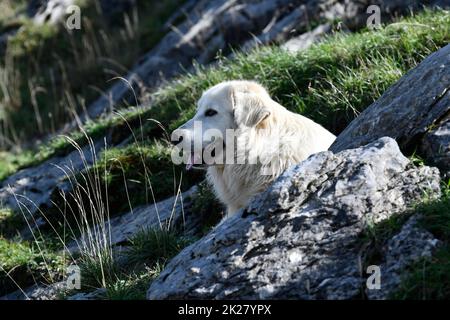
(279, 138)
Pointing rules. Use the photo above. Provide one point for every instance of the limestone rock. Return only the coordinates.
(409, 245)
(301, 239)
(31, 188)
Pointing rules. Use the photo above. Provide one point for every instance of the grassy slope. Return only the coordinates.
(330, 83)
(39, 94)
(27, 264)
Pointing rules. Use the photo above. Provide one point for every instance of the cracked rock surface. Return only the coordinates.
(301, 239)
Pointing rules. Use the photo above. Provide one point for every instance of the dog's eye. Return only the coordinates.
(210, 113)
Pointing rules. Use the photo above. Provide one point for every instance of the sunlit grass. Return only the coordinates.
(50, 74)
(331, 83)
(23, 264)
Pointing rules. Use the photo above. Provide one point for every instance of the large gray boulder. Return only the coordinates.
(302, 237)
(415, 111)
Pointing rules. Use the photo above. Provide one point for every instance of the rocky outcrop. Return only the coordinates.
(301, 239)
(31, 189)
(37, 292)
(305, 40)
(415, 111)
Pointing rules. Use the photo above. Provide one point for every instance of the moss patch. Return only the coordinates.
(23, 264)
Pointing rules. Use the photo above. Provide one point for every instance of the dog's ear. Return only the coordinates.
(250, 108)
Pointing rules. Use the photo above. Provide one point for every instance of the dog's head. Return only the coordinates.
(227, 106)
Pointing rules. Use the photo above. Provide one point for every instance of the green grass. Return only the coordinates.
(29, 38)
(147, 254)
(330, 83)
(154, 246)
(12, 162)
(97, 270)
(134, 286)
(126, 276)
(10, 223)
(44, 91)
(140, 174)
(121, 179)
(429, 278)
(118, 126)
(27, 264)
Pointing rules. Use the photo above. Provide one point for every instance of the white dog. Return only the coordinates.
(264, 130)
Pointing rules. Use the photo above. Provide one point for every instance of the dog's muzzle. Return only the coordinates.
(196, 160)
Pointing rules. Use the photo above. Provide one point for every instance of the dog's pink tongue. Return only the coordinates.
(190, 163)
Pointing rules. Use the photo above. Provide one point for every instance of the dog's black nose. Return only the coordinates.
(175, 142)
